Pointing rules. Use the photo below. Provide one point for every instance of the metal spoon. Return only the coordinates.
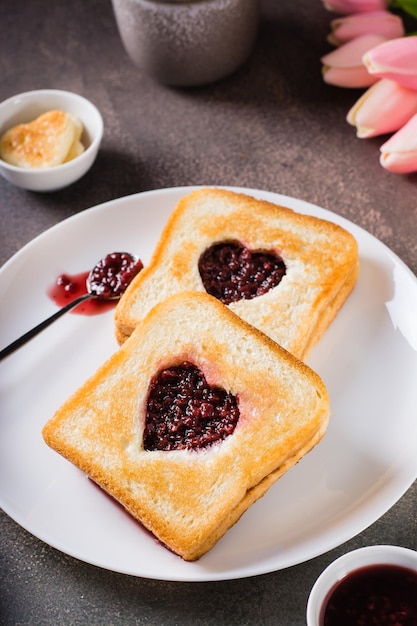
(111, 288)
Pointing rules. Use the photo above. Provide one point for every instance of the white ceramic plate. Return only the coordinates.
(367, 358)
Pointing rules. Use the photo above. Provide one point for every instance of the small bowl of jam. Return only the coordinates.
(49, 138)
(371, 585)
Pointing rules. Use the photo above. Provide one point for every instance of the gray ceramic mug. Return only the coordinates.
(187, 42)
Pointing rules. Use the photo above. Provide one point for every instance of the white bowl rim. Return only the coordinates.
(96, 140)
(380, 554)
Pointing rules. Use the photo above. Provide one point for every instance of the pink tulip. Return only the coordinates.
(395, 59)
(382, 23)
(399, 153)
(355, 6)
(383, 108)
(343, 67)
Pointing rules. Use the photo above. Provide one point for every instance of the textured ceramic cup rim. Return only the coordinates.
(187, 43)
(176, 1)
(349, 562)
(25, 107)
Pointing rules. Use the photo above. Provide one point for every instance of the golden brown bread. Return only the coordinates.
(51, 139)
(321, 261)
(190, 498)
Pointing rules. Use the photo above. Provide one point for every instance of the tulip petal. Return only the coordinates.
(399, 163)
(344, 67)
(350, 77)
(355, 6)
(383, 108)
(352, 52)
(382, 23)
(395, 59)
(404, 140)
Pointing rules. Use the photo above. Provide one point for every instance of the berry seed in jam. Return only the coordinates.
(110, 277)
(230, 272)
(185, 412)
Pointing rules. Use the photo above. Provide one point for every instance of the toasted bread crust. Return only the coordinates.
(320, 256)
(190, 498)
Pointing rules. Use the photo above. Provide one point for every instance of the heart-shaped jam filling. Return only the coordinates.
(184, 412)
(230, 272)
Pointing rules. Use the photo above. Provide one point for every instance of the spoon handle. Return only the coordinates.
(37, 329)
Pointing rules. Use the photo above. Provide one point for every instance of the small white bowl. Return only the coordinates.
(348, 563)
(26, 107)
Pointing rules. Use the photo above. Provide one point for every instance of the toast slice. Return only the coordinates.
(320, 259)
(188, 495)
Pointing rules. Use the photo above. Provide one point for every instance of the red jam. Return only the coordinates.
(184, 412)
(111, 275)
(68, 287)
(230, 272)
(382, 595)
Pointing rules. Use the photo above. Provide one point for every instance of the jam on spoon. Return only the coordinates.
(106, 282)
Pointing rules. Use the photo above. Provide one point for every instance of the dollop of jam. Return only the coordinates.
(111, 276)
(231, 272)
(378, 594)
(185, 412)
